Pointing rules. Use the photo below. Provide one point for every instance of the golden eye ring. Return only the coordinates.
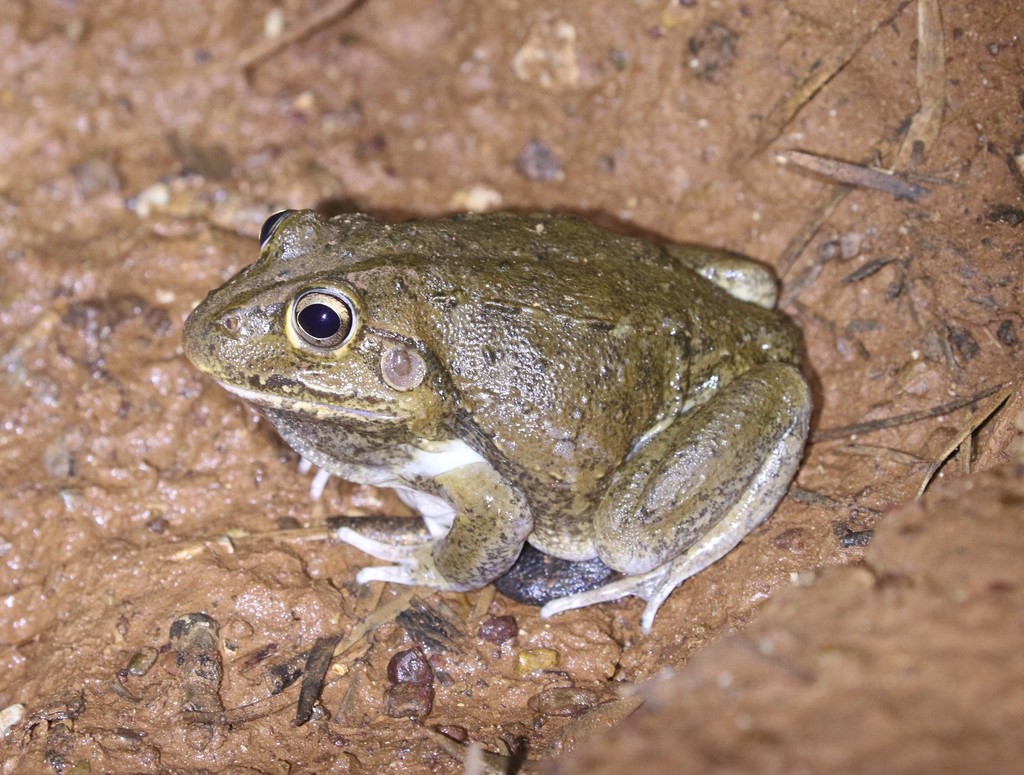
(324, 319)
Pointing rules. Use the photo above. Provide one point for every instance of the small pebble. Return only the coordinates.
(499, 629)
(142, 661)
(10, 716)
(532, 660)
(410, 667)
(407, 700)
(537, 162)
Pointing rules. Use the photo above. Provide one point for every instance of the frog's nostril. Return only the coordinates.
(229, 322)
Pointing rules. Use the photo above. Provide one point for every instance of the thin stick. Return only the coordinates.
(830, 434)
(857, 175)
(931, 85)
(337, 9)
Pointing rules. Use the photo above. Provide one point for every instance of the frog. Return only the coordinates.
(520, 379)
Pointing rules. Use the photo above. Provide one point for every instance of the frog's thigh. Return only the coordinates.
(700, 486)
(492, 521)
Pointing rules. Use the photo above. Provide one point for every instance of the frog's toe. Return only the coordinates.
(648, 586)
(414, 563)
(382, 550)
(394, 574)
(654, 601)
(416, 570)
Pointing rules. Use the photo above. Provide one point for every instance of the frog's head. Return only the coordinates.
(298, 332)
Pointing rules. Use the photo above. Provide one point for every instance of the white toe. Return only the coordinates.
(394, 574)
(372, 547)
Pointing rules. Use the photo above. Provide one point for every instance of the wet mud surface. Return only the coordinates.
(169, 598)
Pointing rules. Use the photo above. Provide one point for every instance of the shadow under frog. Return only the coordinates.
(520, 378)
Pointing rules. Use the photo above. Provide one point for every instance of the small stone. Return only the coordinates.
(713, 50)
(963, 341)
(829, 250)
(1006, 333)
(1004, 213)
(10, 716)
(499, 629)
(153, 199)
(142, 661)
(410, 667)
(850, 245)
(532, 660)
(477, 199)
(407, 700)
(537, 162)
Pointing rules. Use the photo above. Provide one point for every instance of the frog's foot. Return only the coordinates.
(491, 522)
(656, 585)
(648, 586)
(410, 573)
(414, 563)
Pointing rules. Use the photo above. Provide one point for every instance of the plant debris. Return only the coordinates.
(822, 70)
(830, 434)
(313, 676)
(856, 175)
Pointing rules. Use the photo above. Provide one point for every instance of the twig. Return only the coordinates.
(474, 758)
(824, 211)
(337, 9)
(380, 616)
(830, 434)
(931, 85)
(803, 237)
(877, 451)
(313, 676)
(856, 175)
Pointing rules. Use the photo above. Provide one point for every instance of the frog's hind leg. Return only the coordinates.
(690, 494)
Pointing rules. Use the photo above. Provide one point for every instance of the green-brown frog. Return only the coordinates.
(520, 378)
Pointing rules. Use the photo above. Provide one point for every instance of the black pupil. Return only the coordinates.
(270, 225)
(319, 321)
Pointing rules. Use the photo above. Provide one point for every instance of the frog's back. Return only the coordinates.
(565, 342)
(506, 238)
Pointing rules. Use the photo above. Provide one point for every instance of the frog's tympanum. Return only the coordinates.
(520, 378)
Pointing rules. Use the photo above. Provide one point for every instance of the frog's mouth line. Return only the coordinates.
(315, 408)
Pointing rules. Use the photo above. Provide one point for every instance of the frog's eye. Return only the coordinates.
(270, 226)
(323, 319)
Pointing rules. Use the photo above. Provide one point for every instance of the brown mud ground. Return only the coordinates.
(139, 156)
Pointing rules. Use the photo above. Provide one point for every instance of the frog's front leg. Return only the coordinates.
(491, 523)
(693, 491)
